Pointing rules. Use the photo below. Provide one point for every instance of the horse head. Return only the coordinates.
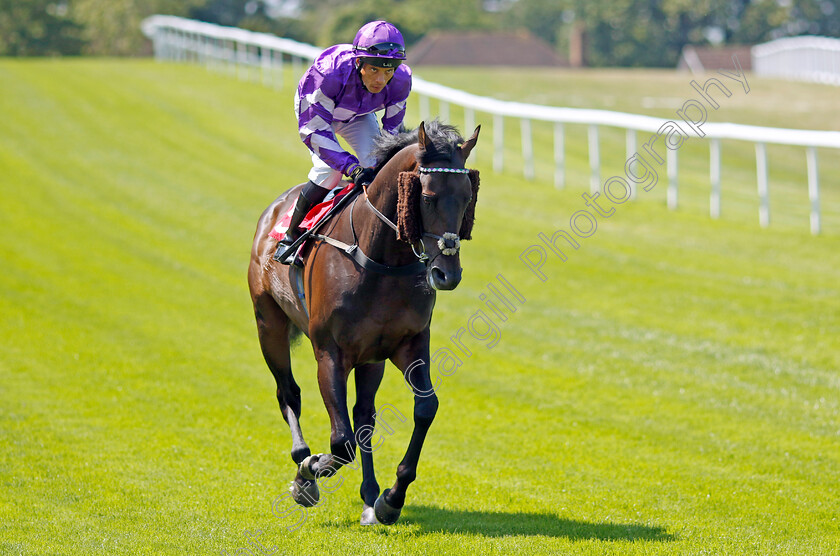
(437, 205)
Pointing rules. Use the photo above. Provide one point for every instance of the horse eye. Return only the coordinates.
(429, 199)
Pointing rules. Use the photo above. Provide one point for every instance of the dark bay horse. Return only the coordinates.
(408, 223)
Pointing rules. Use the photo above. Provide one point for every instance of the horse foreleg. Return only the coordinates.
(368, 378)
(413, 360)
(332, 381)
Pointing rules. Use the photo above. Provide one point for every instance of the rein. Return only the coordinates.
(355, 253)
(449, 243)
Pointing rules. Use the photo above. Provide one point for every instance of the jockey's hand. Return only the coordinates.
(362, 176)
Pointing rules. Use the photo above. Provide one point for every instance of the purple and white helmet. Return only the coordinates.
(380, 44)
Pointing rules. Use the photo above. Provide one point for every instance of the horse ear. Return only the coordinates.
(468, 145)
(422, 138)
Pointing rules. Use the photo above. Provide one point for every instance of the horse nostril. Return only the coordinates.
(442, 280)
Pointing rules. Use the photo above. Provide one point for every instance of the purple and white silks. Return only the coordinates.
(331, 93)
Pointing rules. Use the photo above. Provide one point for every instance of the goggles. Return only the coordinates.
(390, 49)
(380, 62)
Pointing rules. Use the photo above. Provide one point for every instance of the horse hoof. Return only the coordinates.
(369, 516)
(384, 512)
(304, 492)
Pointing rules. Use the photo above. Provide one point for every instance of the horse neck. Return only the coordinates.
(376, 238)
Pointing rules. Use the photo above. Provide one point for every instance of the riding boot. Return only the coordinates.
(310, 195)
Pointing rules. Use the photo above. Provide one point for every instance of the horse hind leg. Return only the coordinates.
(274, 328)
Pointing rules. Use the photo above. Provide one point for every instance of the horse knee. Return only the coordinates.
(425, 410)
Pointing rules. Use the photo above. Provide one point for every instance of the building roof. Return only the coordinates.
(482, 48)
(699, 59)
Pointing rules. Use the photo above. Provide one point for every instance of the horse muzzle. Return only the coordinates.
(442, 278)
(444, 271)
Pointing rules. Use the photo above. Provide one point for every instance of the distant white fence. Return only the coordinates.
(259, 56)
(814, 59)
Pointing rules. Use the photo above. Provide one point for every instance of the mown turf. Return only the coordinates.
(671, 388)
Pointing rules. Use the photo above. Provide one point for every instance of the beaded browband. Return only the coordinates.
(424, 170)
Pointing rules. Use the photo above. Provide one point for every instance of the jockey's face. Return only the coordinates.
(375, 78)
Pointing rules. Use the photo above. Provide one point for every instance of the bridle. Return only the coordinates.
(449, 243)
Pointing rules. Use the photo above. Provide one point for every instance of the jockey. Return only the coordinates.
(339, 94)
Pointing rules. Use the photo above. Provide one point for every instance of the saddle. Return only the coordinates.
(314, 215)
(318, 215)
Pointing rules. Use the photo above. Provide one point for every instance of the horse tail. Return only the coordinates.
(295, 334)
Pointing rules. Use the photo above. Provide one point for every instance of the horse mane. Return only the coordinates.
(444, 138)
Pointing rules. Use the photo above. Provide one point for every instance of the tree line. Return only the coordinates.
(648, 33)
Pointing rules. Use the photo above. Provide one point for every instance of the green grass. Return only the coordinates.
(672, 388)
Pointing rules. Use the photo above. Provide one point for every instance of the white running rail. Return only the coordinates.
(261, 56)
(806, 58)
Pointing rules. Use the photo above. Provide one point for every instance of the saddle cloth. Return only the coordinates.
(312, 217)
